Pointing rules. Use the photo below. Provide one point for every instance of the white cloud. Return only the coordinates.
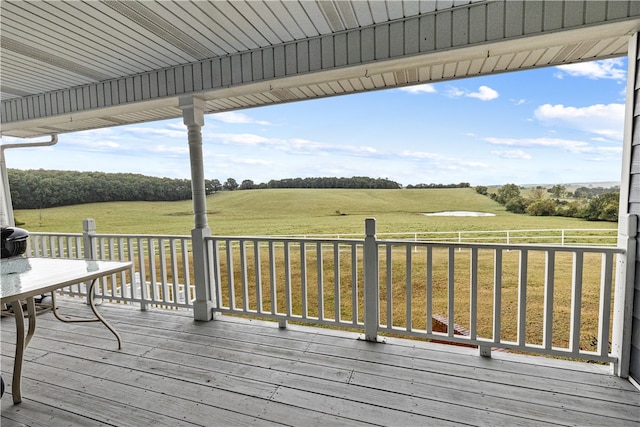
(603, 120)
(484, 93)
(599, 153)
(237, 118)
(293, 146)
(174, 131)
(473, 164)
(421, 155)
(424, 88)
(165, 149)
(252, 162)
(455, 92)
(562, 144)
(437, 161)
(512, 154)
(242, 139)
(606, 69)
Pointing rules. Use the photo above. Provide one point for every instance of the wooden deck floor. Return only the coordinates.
(173, 371)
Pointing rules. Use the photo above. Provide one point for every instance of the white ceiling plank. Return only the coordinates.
(121, 36)
(193, 27)
(444, 4)
(362, 13)
(36, 29)
(303, 20)
(518, 60)
(27, 71)
(378, 11)
(395, 9)
(489, 65)
(476, 66)
(24, 33)
(315, 14)
(282, 14)
(533, 58)
(348, 14)
(549, 54)
(449, 70)
(462, 68)
(411, 7)
(356, 83)
(617, 47)
(224, 15)
(503, 62)
(427, 6)
(598, 47)
(257, 21)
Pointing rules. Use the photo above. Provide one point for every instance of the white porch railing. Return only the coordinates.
(306, 280)
(530, 298)
(535, 293)
(161, 272)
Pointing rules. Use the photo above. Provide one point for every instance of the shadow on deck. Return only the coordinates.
(173, 371)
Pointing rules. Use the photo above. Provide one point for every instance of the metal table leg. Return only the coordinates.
(22, 341)
(92, 304)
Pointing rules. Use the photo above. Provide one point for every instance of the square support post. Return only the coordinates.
(371, 283)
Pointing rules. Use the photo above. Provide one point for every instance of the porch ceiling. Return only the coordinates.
(70, 66)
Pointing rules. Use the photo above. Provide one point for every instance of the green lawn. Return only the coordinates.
(298, 211)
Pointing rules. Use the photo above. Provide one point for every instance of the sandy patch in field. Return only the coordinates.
(458, 213)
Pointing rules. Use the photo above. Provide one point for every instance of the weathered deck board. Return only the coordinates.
(174, 371)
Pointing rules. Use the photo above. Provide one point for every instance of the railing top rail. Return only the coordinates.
(456, 232)
(39, 233)
(144, 236)
(533, 230)
(505, 246)
(287, 239)
(502, 246)
(113, 235)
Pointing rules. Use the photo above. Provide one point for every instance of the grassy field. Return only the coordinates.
(298, 211)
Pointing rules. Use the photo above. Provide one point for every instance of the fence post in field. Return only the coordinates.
(623, 301)
(371, 291)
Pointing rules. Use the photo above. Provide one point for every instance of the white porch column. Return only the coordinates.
(193, 117)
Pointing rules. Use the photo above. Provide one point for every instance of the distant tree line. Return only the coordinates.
(33, 189)
(37, 189)
(460, 185)
(324, 182)
(593, 204)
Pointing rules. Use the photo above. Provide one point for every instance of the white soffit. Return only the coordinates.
(68, 66)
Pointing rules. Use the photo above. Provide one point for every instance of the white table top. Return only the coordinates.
(26, 277)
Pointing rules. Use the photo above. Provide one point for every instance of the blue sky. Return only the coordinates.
(546, 126)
